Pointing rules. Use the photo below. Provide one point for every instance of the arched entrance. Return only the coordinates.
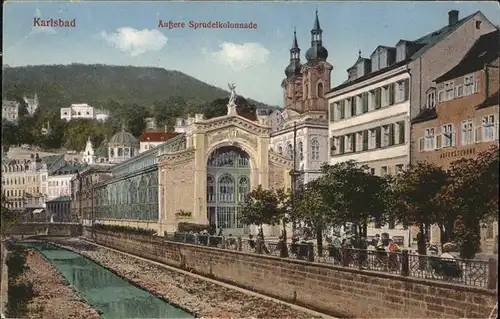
(228, 182)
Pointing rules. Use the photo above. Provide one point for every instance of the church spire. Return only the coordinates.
(294, 67)
(316, 51)
(316, 32)
(295, 44)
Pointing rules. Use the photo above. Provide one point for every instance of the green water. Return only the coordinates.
(105, 291)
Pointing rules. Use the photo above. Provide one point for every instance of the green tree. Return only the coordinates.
(352, 195)
(10, 134)
(415, 195)
(166, 111)
(470, 197)
(264, 206)
(7, 217)
(311, 208)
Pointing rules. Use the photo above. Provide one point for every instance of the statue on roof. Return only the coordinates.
(232, 88)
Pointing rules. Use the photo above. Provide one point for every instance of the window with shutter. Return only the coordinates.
(478, 135)
(467, 132)
(342, 109)
(359, 141)
(378, 98)
(402, 132)
(441, 96)
(430, 139)
(353, 141)
(447, 135)
(378, 137)
(489, 128)
(407, 89)
(392, 92)
(353, 106)
(385, 96)
(385, 135)
(359, 104)
(348, 143)
(421, 144)
(341, 144)
(365, 102)
(332, 112)
(439, 141)
(371, 101)
(348, 108)
(391, 135)
(365, 140)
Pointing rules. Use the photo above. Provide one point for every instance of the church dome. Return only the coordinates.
(317, 52)
(124, 138)
(293, 69)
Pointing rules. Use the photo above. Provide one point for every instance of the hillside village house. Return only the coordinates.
(462, 117)
(83, 111)
(149, 140)
(370, 113)
(10, 110)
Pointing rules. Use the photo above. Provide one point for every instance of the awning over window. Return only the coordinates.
(38, 211)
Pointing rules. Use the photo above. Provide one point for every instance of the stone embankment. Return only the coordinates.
(201, 297)
(52, 296)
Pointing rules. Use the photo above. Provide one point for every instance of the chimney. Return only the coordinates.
(452, 17)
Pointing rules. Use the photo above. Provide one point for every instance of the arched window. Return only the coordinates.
(210, 189)
(229, 157)
(320, 89)
(280, 150)
(120, 152)
(243, 188)
(111, 152)
(126, 151)
(301, 150)
(143, 190)
(226, 189)
(314, 149)
(289, 151)
(132, 193)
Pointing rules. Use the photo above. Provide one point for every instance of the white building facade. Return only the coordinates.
(369, 122)
(10, 110)
(59, 185)
(311, 142)
(83, 111)
(31, 104)
(24, 183)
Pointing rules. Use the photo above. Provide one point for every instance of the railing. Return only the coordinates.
(476, 273)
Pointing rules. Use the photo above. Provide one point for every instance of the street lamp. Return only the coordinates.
(294, 174)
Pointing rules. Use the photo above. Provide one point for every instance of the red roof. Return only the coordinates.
(157, 136)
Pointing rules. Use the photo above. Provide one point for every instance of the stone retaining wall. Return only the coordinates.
(338, 291)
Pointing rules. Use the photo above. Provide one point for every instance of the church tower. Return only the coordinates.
(88, 153)
(316, 72)
(292, 84)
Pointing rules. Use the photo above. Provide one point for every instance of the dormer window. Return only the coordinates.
(375, 61)
(361, 69)
(383, 58)
(401, 52)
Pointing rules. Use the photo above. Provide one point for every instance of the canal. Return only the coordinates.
(105, 291)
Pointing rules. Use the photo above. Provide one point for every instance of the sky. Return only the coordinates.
(127, 33)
